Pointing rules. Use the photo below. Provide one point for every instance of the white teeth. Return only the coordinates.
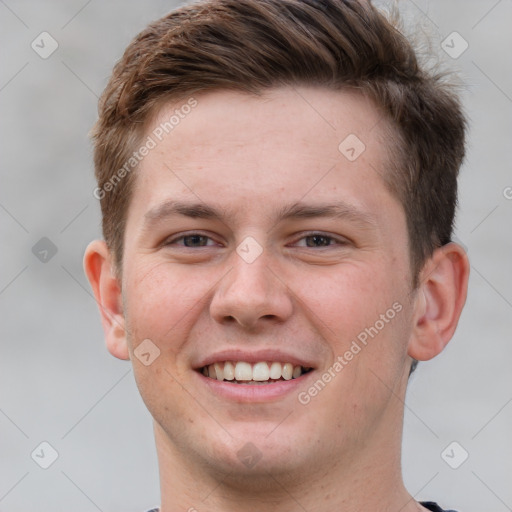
(219, 371)
(275, 370)
(247, 373)
(287, 371)
(243, 371)
(260, 372)
(229, 371)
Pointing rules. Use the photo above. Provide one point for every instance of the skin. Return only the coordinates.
(249, 158)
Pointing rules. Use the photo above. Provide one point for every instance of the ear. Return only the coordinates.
(440, 297)
(99, 268)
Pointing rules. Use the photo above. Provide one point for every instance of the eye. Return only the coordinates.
(191, 240)
(319, 240)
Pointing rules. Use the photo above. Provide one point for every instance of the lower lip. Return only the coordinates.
(254, 392)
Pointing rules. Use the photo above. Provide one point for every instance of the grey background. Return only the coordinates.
(57, 381)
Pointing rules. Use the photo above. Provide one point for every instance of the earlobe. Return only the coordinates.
(107, 291)
(439, 301)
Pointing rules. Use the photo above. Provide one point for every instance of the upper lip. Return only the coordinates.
(253, 356)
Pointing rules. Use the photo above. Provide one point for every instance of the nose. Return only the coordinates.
(251, 295)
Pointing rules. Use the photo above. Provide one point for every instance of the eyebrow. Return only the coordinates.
(199, 210)
(340, 210)
(170, 208)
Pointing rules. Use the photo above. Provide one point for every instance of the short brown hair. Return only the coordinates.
(254, 45)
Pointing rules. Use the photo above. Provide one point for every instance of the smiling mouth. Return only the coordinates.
(240, 372)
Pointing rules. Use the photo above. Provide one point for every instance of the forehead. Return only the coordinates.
(284, 138)
(290, 113)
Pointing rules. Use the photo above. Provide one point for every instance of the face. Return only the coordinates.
(263, 248)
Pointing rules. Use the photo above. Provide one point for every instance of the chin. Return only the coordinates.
(256, 450)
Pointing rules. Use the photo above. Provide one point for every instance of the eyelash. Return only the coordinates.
(332, 240)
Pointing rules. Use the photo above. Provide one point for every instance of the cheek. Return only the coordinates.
(347, 300)
(347, 308)
(362, 314)
(163, 302)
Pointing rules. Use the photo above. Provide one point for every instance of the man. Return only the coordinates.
(278, 184)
